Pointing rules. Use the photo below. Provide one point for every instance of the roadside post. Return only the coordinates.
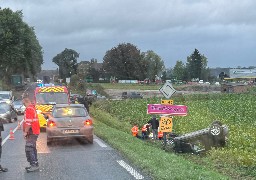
(167, 110)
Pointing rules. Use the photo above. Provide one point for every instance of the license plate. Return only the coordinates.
(70, 131)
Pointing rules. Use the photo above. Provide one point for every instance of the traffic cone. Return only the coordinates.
(19, 127)
(11, 135)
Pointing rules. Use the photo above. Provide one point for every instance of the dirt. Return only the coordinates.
(117, 93)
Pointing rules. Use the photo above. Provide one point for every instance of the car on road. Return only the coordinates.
(19, 107)
(6, 96)
(7, 113)
(69, 121)
(131, 95)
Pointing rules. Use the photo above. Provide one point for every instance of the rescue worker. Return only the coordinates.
(154, 124)
(135, 131)
(2, 169)
(160, 134)
(83, 101)
(31, 130)
(144, 131)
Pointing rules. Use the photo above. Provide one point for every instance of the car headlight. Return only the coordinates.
(8, 102)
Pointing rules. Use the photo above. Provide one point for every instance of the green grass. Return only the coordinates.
(153, 161)
(238, 159)
(130, 86)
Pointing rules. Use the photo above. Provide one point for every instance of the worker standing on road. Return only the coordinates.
(1, 129)
(31, 130)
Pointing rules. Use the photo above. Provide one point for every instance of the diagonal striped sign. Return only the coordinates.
(175, 110)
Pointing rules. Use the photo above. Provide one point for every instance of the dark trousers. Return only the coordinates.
(0, 145)
(30, 149)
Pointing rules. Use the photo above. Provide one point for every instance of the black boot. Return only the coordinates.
(36, 164)
(32, 168)
(2, 169)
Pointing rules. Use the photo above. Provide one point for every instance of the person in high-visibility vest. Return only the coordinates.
(2, 169)
(160, 135)
(31, 130)
(135, 130)
(144, 131)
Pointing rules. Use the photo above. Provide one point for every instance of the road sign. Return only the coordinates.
(170, 102)
(178, 110)
(165, 124)
(167, 90)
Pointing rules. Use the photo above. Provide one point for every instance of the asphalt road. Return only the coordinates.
(70, 160)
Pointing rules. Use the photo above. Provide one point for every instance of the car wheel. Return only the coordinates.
(90, 140)
(49, 142)
(215, 129)
(12, 120)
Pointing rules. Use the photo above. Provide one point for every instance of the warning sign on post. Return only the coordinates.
(165, 124)
(167, 90)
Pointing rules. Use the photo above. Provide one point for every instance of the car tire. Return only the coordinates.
(215, 130)
(90, 140)
(12, 120)
(49, 142)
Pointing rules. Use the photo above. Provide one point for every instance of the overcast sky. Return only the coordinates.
(222, 30)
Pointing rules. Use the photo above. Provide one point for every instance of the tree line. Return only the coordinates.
(20, 51)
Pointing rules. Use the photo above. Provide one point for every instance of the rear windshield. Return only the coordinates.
(69, 112)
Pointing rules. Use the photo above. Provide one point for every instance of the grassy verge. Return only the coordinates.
(149, 158)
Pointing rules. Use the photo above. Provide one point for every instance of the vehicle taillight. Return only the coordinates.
(88, 122)
(51, 124)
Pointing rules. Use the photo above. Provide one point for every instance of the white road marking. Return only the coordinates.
(100, 143)
(130, 169)
(15, 129)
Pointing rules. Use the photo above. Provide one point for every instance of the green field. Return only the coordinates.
(236, 161)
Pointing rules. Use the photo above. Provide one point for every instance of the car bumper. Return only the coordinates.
(60, 133)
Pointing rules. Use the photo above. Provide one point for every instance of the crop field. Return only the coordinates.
(237, 111)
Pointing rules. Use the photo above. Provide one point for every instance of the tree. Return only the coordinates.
(67, 62)
(20, 51)
(179, 70)
(195, 65)
(153, 63)
(124, 62)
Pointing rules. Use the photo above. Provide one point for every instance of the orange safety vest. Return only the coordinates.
(144, 128)
(160, 134)
(135, 130)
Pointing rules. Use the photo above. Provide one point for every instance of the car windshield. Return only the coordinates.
(69, 112)
(17, 102)
(52, 98)
(4, 96)
(4, 106)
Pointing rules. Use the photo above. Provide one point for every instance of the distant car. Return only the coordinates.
(201, 82)
(131, 95)
(7, 113)
(6, 96)
(69, 121)
(19, 107)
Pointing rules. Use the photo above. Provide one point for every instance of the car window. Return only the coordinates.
(69, 112)
(17, 103)
(4, 96)
(4, 106)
